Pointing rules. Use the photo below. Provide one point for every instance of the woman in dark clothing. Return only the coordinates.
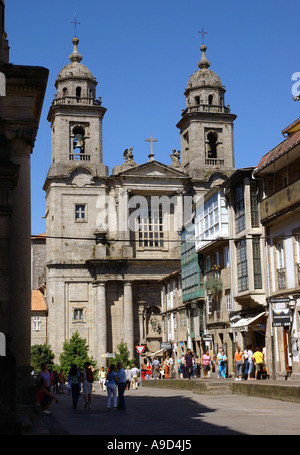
(74, 377)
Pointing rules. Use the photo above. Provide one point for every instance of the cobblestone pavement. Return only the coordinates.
(152, 411)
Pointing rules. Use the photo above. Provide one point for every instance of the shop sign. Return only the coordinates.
(110, 355)
(281, 318)
(280, 300)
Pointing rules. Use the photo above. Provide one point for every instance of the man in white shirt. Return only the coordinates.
(134, 372)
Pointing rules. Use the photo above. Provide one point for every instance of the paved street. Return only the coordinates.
(173, 412)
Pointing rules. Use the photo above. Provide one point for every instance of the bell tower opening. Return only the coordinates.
(212, 145)
(78, 92)
(78, 141)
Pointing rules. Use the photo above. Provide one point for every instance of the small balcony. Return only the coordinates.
(280, 202)
(210, 108)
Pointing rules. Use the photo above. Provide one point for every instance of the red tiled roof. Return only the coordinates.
(278, 151)
(39, 235)
(38, 301)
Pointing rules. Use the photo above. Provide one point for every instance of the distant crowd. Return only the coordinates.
(115, 380)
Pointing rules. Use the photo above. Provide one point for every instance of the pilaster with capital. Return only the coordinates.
(128, 326)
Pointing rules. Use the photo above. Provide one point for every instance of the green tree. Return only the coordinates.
(41, 353)
(122, 356)
(75, 351)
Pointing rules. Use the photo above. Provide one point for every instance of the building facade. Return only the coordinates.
(278, 174)
(112, 237)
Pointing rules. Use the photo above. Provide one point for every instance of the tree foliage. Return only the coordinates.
(41, 353)
(214, 285)
(75, 351)
(122, 356)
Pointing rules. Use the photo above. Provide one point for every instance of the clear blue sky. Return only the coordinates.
(142, 55)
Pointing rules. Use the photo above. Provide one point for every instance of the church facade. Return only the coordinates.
(112, 237)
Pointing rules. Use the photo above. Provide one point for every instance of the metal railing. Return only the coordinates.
(281, 278)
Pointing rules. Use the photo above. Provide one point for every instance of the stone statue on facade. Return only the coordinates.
(128, 157)
(175, 157)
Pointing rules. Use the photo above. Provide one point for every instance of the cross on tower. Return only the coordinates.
(151, 140)
(76, 23)
(202, 33)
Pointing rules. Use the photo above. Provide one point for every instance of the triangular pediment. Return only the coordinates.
(152, 169)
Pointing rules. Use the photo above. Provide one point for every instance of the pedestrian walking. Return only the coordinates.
(128, 377)
(221, 360)
(197, 366)
(167, 367)
(44, 374)
(102, 379)
(188, 359)
(61, 381)
(75, 380)
(143, 371)
(52, 380)
(43, 397)
(121, 382)
(259, 362)
(171, 366)
(88, 379)
(148, 370)
(155, 368)
(238, 362)
(250, 362)
(134, 374)
(205, 363)
(111, 386)
(246, 362)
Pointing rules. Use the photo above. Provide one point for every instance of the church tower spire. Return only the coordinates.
(206, 126)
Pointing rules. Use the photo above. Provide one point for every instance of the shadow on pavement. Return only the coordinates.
(170, 413)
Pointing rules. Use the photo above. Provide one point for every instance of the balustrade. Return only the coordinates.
(79, 157)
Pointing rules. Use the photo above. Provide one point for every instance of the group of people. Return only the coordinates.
(132, 375)
(190, 365)
(248, 362)
(156, 369)
(114, 382)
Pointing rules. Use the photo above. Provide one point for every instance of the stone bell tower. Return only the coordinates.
(74, 183)
(76, 117)
(206, 126)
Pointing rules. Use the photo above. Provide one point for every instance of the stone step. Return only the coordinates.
(215, 389)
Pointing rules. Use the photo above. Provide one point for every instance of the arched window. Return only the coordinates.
(212, 145)
(78, 140)
(210, 99)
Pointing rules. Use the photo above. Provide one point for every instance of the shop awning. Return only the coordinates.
(160, 352)
(246, 321)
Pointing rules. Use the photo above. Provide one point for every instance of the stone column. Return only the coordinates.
(128, 326)
(20, 257)
(101, 327)
(141, 320)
